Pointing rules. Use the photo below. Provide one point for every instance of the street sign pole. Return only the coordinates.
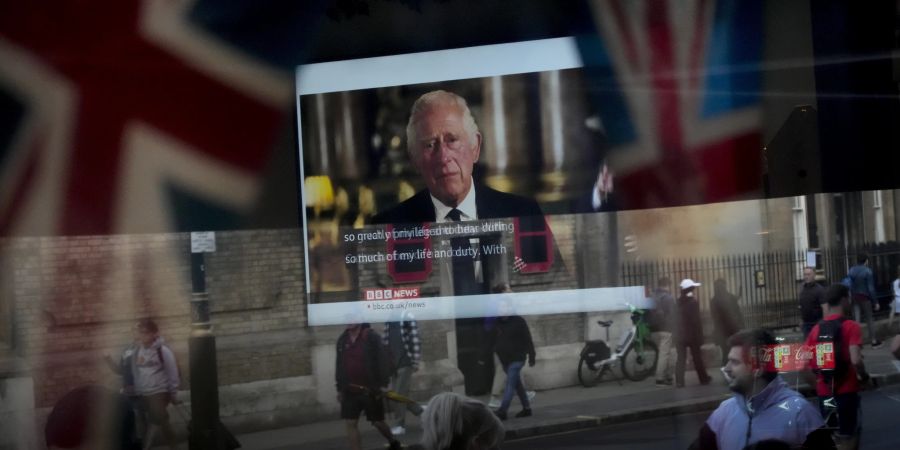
(202, 346)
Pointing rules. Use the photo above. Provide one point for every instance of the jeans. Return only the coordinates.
(500, 379)
(864, 308)
(513, 385)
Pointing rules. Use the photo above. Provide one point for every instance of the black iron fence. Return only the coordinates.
(767, 284)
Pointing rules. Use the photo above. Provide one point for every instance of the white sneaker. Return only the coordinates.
(398, 431)
(494, 403)
(530, 395)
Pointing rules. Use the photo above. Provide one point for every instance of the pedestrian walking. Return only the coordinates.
(838, 387)
(511, 341)
(124, 367)
(660, 321)
(864, 300)
(689, 335)
(762, 407)
(402, 338)
(359, 381)
(156, 381)
(499, 382)
(810, 299)
(726, 315)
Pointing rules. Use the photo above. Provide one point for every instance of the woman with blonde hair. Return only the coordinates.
(454, 422)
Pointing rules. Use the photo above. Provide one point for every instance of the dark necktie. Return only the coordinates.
(463, 265)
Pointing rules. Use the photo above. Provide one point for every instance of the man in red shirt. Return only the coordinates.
(838, 389)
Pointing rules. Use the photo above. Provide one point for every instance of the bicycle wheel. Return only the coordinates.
(589, 374)
(637, 365)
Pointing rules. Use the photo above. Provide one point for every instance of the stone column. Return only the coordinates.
(569, 151)
(507, 147)
(350, 136)
(318, 148)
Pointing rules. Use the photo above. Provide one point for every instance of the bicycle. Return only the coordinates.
(635, 352)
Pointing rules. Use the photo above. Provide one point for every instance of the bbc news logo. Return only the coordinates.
(391, 293)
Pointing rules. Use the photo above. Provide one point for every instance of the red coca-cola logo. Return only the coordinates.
(784, 357)
(768, 354)
(804, 353)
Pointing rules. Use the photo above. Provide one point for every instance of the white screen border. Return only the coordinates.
(425, 67)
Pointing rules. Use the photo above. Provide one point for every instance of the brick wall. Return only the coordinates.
(76, 298)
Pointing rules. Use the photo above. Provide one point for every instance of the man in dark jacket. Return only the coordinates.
(726, 315)
(863, 298)
(359, 381)
(690, 333)
(661, 317)
(511, 340)
(810, 301)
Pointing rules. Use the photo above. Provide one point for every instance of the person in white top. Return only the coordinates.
(156, 381)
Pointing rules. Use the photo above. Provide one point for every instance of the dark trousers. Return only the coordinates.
(681, 362)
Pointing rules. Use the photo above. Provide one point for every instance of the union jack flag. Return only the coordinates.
(677, 85)
(123, 117)
(132, 116)
(518, 264)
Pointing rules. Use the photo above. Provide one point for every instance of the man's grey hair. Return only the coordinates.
(453, 422)
(438, 98)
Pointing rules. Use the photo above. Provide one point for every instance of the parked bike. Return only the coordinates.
(635, 353)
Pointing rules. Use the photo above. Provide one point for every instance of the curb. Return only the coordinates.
(884, 379)
(633, 415)
(623, 416)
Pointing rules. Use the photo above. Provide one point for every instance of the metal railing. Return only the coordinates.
(767, 284)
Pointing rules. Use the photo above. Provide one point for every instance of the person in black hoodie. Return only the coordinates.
(726, 315)
(689, 334)
(511, 340)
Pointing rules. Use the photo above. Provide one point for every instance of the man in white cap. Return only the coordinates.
(689, 334)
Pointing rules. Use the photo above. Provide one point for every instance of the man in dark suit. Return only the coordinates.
(444, 144)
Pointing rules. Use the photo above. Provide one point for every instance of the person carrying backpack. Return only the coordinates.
(838, 388)
(156, 381)
(360, 376)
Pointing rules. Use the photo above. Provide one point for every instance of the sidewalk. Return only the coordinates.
(558, 410)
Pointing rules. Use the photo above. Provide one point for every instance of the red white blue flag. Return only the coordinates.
(678, 88)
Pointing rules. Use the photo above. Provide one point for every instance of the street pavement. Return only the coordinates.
(880, 412)
(610, 410)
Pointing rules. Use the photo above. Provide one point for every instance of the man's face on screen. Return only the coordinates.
(444, 152)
